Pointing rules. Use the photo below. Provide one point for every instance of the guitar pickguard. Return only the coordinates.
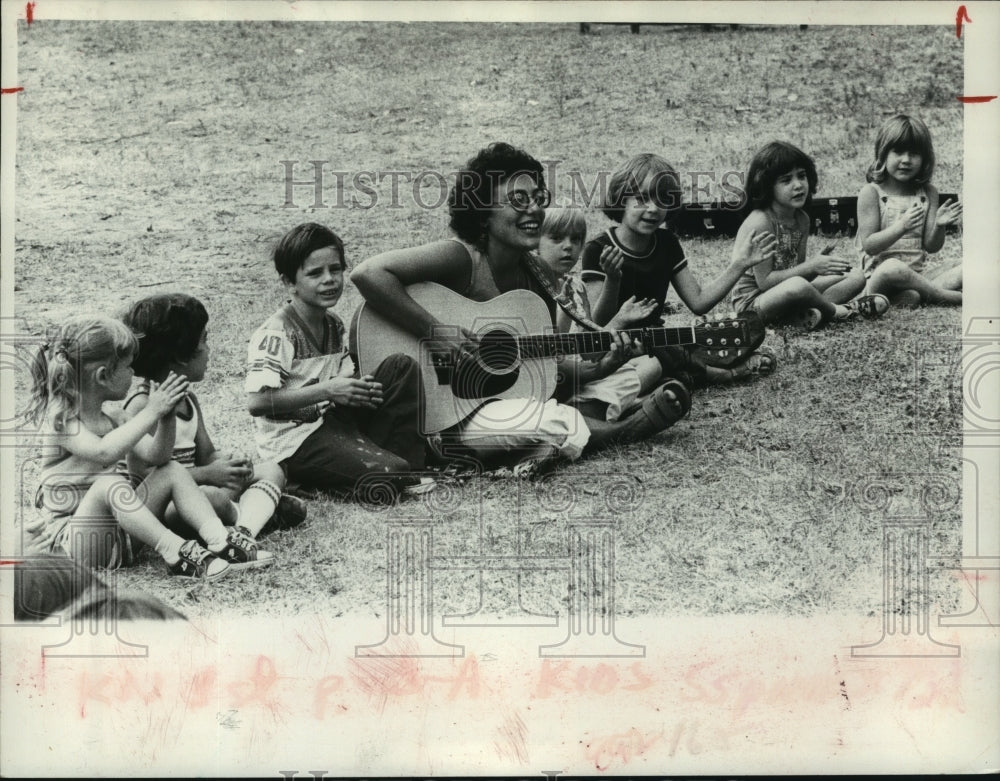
(493, 373)
(449, 395)
(471, 382)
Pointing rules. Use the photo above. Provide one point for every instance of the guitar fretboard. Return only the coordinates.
(549, 345)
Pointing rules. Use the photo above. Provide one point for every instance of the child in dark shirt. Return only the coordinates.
(641, 258)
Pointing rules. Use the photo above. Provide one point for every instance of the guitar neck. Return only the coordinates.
(549, 345)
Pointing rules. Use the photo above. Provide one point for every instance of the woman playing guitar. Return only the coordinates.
(496, 209)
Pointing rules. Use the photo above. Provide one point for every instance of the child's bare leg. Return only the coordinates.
(791, 296)
(113, 497)
(895, 279)
(173, 483)
(841, 288)
(259, 500)
(224, 503)
(949, 277)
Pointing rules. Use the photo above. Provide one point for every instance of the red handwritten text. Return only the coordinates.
(622, 746)
(255, 689)
(599, 679)
(961, 16)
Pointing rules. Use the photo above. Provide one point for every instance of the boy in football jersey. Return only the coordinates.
(329, 428)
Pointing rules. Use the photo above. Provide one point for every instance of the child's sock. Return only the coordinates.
(257, 505)
(140, 524)
(213, 534)
(169, 547)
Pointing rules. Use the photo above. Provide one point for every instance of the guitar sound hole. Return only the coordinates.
(498, 353)
(498, 350)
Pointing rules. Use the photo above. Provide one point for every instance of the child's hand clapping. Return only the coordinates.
(949, 213)
(633, 311)
(829, 265)
(611, 262)
(754, 248)
(913, 218)
(349, 392)
(165, 396)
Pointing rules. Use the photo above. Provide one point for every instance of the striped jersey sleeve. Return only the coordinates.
(269, 357)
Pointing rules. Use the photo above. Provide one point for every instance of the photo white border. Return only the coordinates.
(981, 196)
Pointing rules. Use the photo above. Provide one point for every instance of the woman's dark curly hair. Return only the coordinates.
(475, 186)
(169, 327)
(771, 162)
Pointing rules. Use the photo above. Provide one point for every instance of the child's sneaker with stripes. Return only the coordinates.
(199, 563)
(242, 551)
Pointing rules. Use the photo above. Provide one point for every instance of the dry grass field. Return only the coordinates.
(150, 159)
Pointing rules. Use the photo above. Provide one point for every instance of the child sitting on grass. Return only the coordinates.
(640, 257)
(328, 428)
(91, 512)
(623, 379)
(899, 220)
(172, 330)
(780, 182)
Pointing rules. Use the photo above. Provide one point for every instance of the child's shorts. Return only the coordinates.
(618, 390)
(98, 543)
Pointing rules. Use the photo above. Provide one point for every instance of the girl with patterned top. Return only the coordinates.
(172, 329)
(780, 182)
(91, 512)
(899, 220)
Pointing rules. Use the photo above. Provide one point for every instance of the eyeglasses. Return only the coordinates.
(521, 200)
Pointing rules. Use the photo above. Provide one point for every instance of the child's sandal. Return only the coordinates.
(760, 363)
(869, 307)
(809, 319)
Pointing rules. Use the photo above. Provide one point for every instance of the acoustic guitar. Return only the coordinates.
(518, 352)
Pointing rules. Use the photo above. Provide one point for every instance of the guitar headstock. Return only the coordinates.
(726, 340)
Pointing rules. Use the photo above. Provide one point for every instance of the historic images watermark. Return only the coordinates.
(979, 566)
(319, 184)
(906, 502)
(82, 592)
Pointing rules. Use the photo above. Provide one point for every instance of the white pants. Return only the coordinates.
(506, 425)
